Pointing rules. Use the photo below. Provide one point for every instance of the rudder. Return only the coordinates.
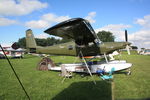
(30, 41)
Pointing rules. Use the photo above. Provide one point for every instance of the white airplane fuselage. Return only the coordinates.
(80, 67)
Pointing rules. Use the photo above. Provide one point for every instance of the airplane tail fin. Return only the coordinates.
(30, 41)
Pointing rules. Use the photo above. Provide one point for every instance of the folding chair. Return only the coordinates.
(65, 73)
(110, 76)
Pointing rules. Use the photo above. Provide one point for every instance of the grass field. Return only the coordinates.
(46, 85)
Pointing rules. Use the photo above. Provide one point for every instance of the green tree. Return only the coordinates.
(21, 42)
(106, 36)
(64, 40)
(42, 42)
(52, 41)
(134, 47)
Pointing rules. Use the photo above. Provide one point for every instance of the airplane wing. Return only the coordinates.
(77, 28)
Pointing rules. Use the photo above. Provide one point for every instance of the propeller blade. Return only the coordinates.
(126, 36)
(126, 39)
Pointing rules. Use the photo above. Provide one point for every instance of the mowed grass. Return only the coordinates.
(46, 85)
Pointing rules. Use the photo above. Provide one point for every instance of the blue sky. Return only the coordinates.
(16, 16)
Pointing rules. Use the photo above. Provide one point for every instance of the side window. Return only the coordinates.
(70, 47)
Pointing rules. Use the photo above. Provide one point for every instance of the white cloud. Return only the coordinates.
(42, 36)
(147, 43)
(19, 7)
(46, 21)
(52, 18)
(144, 22)
(6, 44)
(142, 36)
(37, 24)
(90, 17)
(118, 30)
(112, 27)
(6, 21)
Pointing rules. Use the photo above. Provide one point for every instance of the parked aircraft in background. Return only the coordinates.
(145, 52)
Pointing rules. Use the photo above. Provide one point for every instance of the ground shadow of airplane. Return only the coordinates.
(86, 91)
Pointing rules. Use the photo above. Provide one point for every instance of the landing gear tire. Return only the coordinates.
(82, 75)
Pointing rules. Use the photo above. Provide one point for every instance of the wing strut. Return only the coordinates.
(105, 57)
(87, 67)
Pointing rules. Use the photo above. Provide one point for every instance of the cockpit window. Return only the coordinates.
(70, 47)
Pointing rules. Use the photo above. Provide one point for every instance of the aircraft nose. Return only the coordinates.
(128, 43)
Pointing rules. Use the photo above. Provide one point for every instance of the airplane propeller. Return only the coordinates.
(126, 39)
(15, 46)
(126, 36)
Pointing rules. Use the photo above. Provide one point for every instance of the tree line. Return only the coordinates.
(104, 36)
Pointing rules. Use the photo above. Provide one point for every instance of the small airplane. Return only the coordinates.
(145, 52)
(85, 43)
